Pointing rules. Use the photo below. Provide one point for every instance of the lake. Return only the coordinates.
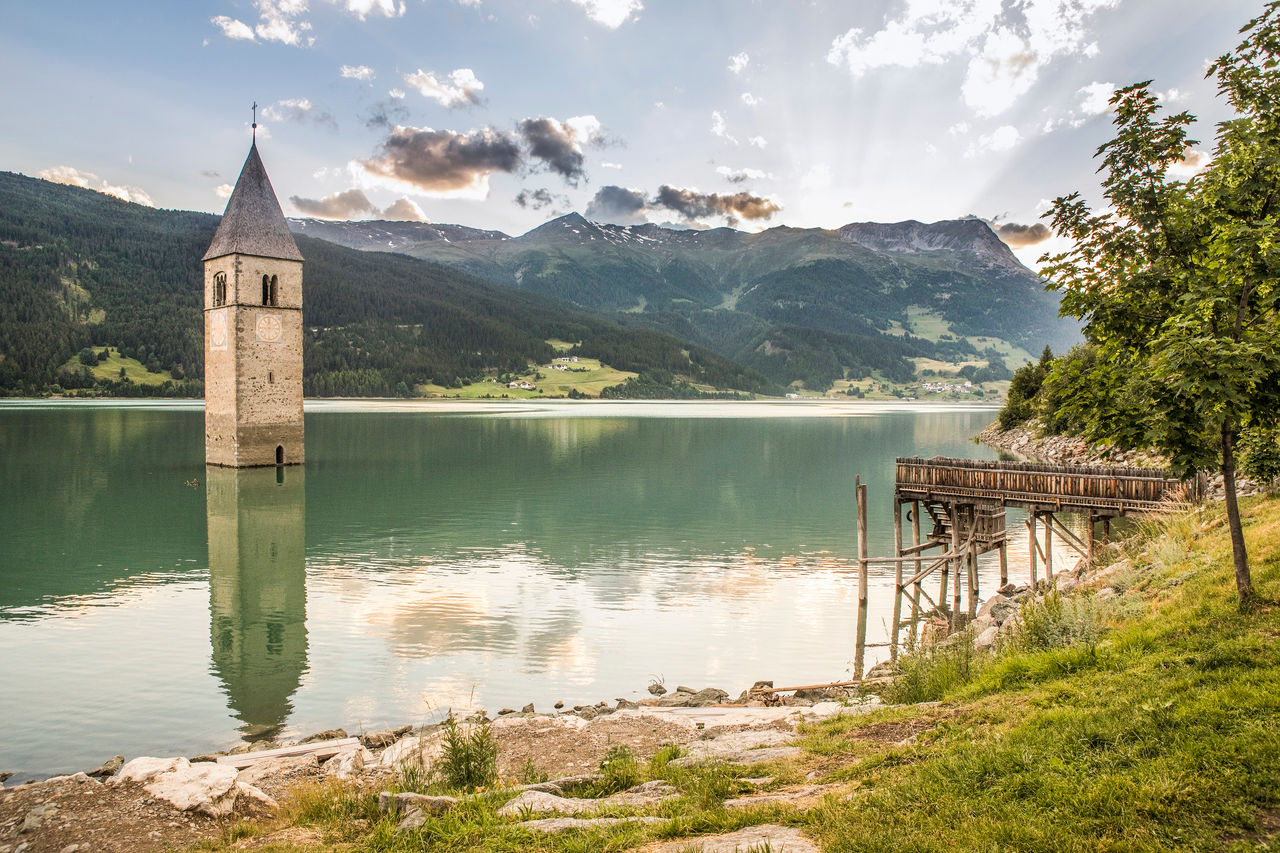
(430, 556)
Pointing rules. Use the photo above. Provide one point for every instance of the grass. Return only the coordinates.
(589, 377)
(1147, 722)
(110, 369)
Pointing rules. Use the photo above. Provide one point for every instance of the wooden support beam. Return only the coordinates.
(1034, 545)
(1004, 562)
(1048, 546)
(1071, 539)
(860, 644)
(897, 578)
(955, 553)
(915, 543)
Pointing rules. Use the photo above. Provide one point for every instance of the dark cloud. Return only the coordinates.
(554, 144)
(618, 205)
(299, 110)
(442, 160)
(692, 204)
(1018, 236)
(386, 114)
(211, 173)
(540, 198)
(343, 205)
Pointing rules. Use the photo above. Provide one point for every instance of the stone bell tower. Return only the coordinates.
(253, 330)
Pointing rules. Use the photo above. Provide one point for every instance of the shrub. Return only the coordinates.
(927, 673)
(1057, 622)
(470, 756)
(619, 770)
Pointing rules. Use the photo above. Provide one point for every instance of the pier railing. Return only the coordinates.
(1034, 485)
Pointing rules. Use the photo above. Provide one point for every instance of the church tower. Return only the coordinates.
(253, 330)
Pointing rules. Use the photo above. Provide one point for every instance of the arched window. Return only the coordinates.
(266, 290)
(273, 290)
(219, 289)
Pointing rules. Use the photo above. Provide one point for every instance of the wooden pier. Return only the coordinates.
(964, 502)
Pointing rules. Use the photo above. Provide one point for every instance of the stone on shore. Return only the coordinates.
(349, 764)
(206, 788)
(407, 801)
(278, 770)
(561, 824)
(783, 839)
(108, 768)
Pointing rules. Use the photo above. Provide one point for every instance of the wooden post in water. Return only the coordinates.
(897, 578)
(915, 542)
(972, 559)
(860, 647)
(1048, 548)
(1092, 544)
(955, 558)
(1031, 532)
(1004, 560)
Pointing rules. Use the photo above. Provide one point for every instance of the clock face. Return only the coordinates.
(269, 328)
(218, 329)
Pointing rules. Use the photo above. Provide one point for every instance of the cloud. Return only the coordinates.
(211, 173)
(223, 191)
(443, 162)
(386, 114)
(74, 177)
(278, 21)
(738, 62)
(737, 176)
(363, 73)
(363, 8)
(343, 205)
(1005, 44)
(298, 110)
(404, 210)
(750, 99)
(233, 29)
(1003, 138)
(461, 89)
(758, 142)
(541, 198)
(1095, 98)
(559, 144)
(1193, 162)
(691, 204)
(611, 13)
(1018, 236)
(619, 205)
(718, 127)
(608, 165)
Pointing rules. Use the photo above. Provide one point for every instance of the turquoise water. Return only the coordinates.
(428, 556)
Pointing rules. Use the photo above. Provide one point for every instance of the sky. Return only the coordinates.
(503, 114)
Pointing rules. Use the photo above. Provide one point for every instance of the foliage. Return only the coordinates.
(619, 770)
(1177, 283)
(470, 756)
(1019, 406)
(1260, 453)
(926, 673)
(1058, 622)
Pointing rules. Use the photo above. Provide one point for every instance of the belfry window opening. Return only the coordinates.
(219, 289)
(268, 290)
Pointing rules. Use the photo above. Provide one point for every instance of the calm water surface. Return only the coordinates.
(427, 557)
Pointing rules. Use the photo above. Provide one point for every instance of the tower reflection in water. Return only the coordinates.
(257, 591)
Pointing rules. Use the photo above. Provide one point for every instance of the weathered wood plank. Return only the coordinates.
(322, 749)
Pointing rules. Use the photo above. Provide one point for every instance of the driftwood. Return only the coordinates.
(321, 750)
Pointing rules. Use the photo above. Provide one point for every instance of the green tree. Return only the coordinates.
(1176, 282)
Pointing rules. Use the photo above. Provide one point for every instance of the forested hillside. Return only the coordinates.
(81, 269)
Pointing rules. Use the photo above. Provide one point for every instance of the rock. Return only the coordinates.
(331, 734)
(657, 689)
(987, 638)
(1104, 594)
(423, 750)
(708, 696)
(801, 797)
(108, 767)
(981, 624)
(560, 824)
(991, 603)
(413, 819)
(675, 700)
(5, 776)
(762, 685)
(279, 769)
(380, 739)
(540, 801)
(145, 769)
(559, 786)
(206, 788)
(204, 756)
(254, 796)
(558, 705)
(37, 816)
(527, 709)
(506, 711)
(1008, 589)
(348, 764)
(627, 705)
(741, 747)
(401, 731)
(766, 837)
(682, 689)
(1064, 582)
(406, 802)
(882, 670)
(589, 713)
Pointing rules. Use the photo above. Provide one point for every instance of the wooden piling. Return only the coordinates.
(860, 646)
(1004, 562)
(1035, 546)
(955, 558)
(1048, 547)
(915, 544)
(897, 578)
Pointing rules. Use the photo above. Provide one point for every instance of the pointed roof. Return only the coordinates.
(253, 223)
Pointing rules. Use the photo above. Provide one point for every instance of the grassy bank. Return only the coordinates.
(1142, 718)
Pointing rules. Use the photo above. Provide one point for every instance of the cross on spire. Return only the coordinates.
(255, 121)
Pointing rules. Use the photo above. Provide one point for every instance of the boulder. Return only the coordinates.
(206, 788)
(349, 763)
(627, 705)
(987, 638)
(144, 769)
(766, 837)
(331, 734)
(424, 750)
(657, 689)
(707, 696)
(406, 802)
(560, 824)
(277, 770)
(254, 796)
(107, 768)
(527, 709)
(540, 801)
